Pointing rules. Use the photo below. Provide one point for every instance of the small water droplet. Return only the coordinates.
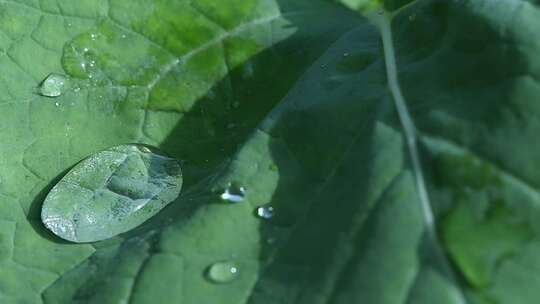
(248, 70)
(345, 54)
(123, 36)
(211, 94)
(53, 85)
(222, 272)
(265, 212)
(93, 36)
(86, 50)
(77, 89)
(233, 194)
(412, 17)
(56, 104)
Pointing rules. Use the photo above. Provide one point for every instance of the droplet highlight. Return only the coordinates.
(53, 85)
(265, 212)
(222, 272)
(233, 194)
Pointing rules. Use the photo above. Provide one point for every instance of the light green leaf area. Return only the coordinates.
(288, 99)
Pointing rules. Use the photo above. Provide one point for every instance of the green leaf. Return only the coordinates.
(369, 6)
(433, 201)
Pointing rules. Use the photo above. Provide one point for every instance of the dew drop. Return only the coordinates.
(53, 85)
(93, 36)
(233, 194)
(345, 54)
(111, 192)
(222, 272)
(265, 212)
(248, 70)
(57, 104)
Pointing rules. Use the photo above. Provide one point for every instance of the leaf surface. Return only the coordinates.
(289, 99)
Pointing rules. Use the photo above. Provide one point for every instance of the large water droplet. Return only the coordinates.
(222, 272)
(111, 192)
(265, 212)
(233, 194)
(53, 85)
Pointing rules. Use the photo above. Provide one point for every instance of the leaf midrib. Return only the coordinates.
(384, 24)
